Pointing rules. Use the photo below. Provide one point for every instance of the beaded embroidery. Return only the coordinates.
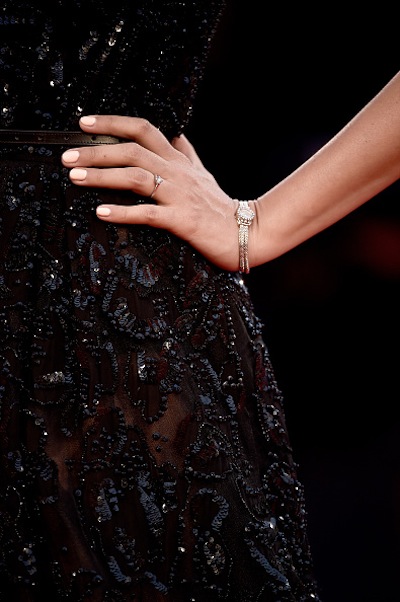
(143, 447)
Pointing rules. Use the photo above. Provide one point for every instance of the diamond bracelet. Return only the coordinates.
(244, 217)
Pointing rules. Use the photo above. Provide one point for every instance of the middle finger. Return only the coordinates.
(124, 154)
(135, 179)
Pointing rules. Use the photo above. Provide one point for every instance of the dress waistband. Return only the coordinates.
(72, 138)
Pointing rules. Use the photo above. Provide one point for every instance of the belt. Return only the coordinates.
(44, 137)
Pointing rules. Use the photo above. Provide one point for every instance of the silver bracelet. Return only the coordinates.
(244, 217)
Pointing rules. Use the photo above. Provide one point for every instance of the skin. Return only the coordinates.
(354, 166)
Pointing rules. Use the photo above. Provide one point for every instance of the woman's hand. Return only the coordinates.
(190, 203)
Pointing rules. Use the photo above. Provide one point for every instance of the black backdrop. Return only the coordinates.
(281, 81)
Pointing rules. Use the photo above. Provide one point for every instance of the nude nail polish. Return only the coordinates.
(71, 156)
(78, 174)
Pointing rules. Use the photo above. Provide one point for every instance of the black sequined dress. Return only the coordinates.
(144, 453)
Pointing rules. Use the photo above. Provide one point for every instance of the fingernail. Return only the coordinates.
(103, 211)
(88, 120)
(78, 174)
(71, 156)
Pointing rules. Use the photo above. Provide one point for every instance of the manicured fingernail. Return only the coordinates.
(78, 174)
(103, 211)
(88, 120)
(71, 156)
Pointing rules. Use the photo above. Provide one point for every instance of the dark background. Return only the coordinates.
(282, 80)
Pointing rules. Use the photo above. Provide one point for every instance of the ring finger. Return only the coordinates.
(135, 179)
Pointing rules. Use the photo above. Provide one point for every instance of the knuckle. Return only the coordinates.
(124, 214)
(93, 154)
(151, 213)
(97, 175)
(138, 178)
(144, 126)
(132, 153)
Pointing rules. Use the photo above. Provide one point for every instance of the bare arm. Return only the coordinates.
(358, 163)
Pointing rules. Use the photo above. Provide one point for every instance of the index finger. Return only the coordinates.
(132, 128)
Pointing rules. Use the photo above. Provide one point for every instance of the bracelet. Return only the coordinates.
(244, 217)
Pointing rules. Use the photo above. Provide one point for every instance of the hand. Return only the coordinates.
(190, 203)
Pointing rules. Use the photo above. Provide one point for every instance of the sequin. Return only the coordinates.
(144, 452)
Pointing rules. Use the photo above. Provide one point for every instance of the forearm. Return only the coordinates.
(358, 163)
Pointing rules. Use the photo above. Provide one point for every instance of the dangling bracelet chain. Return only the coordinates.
(244, 217)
